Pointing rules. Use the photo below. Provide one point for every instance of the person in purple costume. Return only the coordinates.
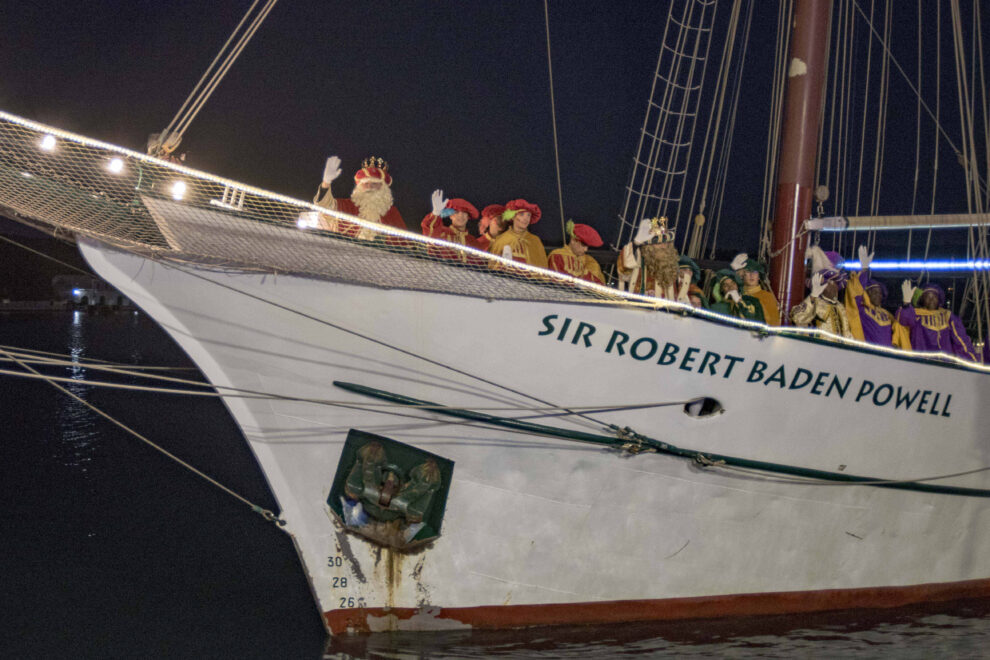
(930, 327)
(868, 320)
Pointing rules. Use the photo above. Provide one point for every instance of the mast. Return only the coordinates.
(798, 146)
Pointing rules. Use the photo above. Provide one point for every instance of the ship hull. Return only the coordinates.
(540, 530)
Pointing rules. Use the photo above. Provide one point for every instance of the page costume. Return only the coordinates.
(867, 322)
(563, 260)
(748, 307)
(434, 227)
(526, 247)
(584, 267)
(936, 330)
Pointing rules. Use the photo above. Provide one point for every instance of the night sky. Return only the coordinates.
(454, 95)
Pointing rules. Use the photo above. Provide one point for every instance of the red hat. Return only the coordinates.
(487, 213)
(523, 205)
(587, 235)
(459, 204)
(373, 168)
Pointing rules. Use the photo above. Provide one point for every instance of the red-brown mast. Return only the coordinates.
(798, 146)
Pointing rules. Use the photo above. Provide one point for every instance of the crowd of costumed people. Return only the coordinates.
(842, 303)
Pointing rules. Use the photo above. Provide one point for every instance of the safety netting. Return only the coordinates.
(70, 185)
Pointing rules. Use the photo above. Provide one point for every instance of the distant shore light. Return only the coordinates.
(48, 143)
(116, 165)
(178, 190)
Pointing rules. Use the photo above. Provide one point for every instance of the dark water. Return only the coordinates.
(109, 550)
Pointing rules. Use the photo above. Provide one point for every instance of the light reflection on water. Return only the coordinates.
(78, 440)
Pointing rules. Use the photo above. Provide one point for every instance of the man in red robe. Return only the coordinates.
(371, 199)
(573, 259)
(490, 225)
(459, 211)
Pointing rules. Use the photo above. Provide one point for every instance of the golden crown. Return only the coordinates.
(380, 163)
(658, 227)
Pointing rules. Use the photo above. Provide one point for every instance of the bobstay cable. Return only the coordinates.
(629, 440)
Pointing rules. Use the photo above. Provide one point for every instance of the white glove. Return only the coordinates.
(685, 284)
(739, 262)
(507, 252)
(734, 296)
(331, 170)
(644, 233)
(907, 291)
(439, 203)
(629, 257)
(817, 285)
(865, 258)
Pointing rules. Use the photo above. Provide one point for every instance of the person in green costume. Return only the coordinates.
(727, 300)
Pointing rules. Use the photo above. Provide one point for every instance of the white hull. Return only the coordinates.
(576, 529)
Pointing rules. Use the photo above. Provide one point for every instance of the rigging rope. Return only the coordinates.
(977, 246)
(914, 89)
(265, 513)
(553, 116)
(784, 10)
(938, 112)
(822, 482)
(170, 138)
(223, 391)
(379, 342)
(46, 256)
(862, 133)
(715, 119)
(846, 127)
(917, 138)
(634, 442)
(91, 363)
(661, 163)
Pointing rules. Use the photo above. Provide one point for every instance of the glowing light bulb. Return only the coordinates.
(48, 143)
(178, 190)
(116, 165)
(308, 219)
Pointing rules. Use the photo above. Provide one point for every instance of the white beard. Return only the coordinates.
(372, 204)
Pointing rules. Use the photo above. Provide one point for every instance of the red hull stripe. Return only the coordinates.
(668, 609)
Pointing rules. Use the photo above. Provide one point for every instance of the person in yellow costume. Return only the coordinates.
(573, 259)
(868, 320)
(517, 243)
(752, 272)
